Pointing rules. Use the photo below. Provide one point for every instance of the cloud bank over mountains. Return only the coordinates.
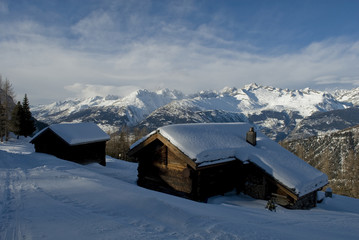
(117, 47)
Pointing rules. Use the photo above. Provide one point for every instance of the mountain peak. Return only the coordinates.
(351, 95)
(229, 90)
(274, 109)
(252, 86)
(112, 97)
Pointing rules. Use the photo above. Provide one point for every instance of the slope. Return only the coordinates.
(43, 197)
(325, 122)
(336, 154)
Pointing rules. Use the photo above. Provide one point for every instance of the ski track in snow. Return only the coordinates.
(12, 205)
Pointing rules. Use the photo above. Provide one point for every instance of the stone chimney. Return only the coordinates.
(251, 137)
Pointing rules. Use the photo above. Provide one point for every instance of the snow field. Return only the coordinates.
(42, 197)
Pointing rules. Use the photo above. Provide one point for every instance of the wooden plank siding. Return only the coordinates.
(178, 153)
(217, 179)
(260, 185)
(163, 167)
(51, 143)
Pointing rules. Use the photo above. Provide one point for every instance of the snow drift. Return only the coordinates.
(42, 197)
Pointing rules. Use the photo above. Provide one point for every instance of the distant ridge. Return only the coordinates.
(277, 112)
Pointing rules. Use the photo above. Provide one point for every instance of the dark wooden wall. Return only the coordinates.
(217, 180)
(48, 142)
(306, 202)
(256, 182)
(161, 169)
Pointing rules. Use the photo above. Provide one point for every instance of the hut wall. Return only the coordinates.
(163, 170)
(52, 144)
(305, 202)
(256, 184)
(87, 153)
(160, 169)
(260, 185)
(217, 180)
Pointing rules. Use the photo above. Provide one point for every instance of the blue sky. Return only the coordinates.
(53, 50)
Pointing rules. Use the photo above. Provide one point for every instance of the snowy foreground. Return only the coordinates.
(42, 197)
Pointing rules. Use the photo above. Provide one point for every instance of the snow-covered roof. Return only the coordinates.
(77, 133)
(211, 143)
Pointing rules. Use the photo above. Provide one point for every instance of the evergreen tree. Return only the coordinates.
(16, 117)
(6, 97)
(27, 123)
(2, 122)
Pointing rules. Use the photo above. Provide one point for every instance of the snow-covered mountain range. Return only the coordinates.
(110, 112)
(277, 112)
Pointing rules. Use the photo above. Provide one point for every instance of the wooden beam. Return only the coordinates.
(218, 164)
(142, 144)
(176, 151)
(286, 190)
(168, 144)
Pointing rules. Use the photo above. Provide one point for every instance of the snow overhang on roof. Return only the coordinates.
(77, 133)
(213, 143)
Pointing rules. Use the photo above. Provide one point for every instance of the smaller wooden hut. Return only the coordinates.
(197, 161)
(78, 142)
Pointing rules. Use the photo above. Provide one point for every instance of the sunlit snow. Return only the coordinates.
(43, 197)
(77, 133)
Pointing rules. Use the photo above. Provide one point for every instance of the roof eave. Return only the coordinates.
(64, 140)
(89, 142)
(165, 141)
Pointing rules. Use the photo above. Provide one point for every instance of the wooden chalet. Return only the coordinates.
(197, 161)
(78, 142)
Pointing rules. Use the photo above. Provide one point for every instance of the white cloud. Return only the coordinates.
(48, 67)
(337, 80)
(95, 26)
(91, 90)
(182, 7)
